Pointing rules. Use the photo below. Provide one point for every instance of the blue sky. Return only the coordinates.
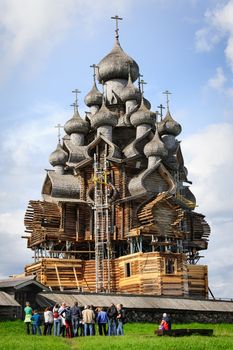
(185, 46)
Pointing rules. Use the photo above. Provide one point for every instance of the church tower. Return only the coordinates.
(117, 214)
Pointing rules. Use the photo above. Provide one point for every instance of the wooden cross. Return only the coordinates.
(117, 18)
(142, 82)
(76, 92)
(74, 105)
(94, 66)
(59, 126)
(139, 81)
(161, 107)
(167, 93)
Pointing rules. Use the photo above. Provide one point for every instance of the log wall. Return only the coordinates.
(139, 273)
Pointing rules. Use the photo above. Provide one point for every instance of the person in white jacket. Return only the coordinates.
(48, 321)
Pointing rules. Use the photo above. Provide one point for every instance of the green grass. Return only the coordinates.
(138, 336)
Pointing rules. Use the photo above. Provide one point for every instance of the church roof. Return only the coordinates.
(143, 116)
(103, 117)
(64, 186)
(130, 92)
(116, 65)
(94, 97)
(76, 125)
(59, 156)
(155, 147)
(169, 126)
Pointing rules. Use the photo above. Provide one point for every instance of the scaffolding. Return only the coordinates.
(101, 224)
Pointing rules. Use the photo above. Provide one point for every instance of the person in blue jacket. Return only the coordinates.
(36, 323)
(102, 320)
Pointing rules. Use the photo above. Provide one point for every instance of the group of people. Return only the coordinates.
(71, 322)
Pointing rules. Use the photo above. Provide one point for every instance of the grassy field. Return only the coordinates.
(138, 336)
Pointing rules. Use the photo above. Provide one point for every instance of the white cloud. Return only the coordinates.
(219, 25)
(25, 154)
(206, 39)
(208, 157)
(13, 252)
(218, 81)
(30, 29)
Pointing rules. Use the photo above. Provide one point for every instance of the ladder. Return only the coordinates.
(101, 225)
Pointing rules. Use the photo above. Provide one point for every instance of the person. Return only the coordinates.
(28, 315)
(81, 326)
(93, 322)
(165, 324)
(48, 321)
(102, 320)
(112, 314)
(68, 322)
(56, 320)
(76, 318)
(61, 313)
(36, 323)
(120, 319)
(88, 319)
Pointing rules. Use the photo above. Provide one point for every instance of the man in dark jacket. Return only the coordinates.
(76, 316)
(112, 315)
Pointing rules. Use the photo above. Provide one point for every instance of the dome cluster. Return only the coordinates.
(117, 72)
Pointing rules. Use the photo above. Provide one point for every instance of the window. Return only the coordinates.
(127, 270)
(169, 266)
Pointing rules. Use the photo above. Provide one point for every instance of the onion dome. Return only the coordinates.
(58, 157)
(103, 117)
(155, 147)
(94, 97)
(169, 126)
(147, 103)
(130, 92)
(143, 116)
(116, 65)
(76, 125)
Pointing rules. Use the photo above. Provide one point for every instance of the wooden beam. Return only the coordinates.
(58, 277)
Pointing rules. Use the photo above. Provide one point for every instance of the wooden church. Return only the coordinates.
(117, 214)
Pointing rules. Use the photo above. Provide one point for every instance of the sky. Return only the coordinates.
(185, 46)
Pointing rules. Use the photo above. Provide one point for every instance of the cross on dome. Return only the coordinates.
(161, 107)
(142, 83)
(59, 127)
(139, 81)
(167, 93)
(75, 104)
(94, 66)
(117, 18)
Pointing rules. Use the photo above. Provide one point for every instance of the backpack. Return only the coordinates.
(55, 314)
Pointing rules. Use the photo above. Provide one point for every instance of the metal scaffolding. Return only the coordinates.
(101, 224)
